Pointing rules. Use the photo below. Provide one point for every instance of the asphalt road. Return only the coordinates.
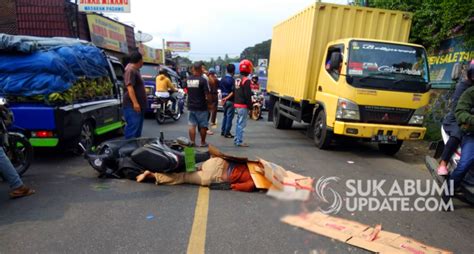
(75, 212)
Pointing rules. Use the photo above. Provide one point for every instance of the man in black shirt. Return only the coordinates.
(198, 93)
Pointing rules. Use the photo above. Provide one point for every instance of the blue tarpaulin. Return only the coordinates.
(46, 69)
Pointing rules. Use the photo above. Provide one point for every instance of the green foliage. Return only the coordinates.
(435, 20)
(221, 62)
(82, 90)
(259, 51)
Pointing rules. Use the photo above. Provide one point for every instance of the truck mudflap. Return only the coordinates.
(379, 132)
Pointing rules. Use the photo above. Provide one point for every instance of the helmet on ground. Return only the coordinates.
(246, 66)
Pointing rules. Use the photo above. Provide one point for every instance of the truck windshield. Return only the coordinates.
(149, 72)
(387, 66)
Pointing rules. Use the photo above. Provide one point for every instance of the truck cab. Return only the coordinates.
(372, 89)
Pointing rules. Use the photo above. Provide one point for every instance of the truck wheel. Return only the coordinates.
(87, 135)
(391, 149)
(280, 121)
(322, 136)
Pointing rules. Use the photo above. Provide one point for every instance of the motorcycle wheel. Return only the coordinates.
(256, 112)
(160, 117)
(176, 116)
(20, 153)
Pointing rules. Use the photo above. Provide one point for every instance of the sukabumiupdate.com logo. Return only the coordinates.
(371, 195)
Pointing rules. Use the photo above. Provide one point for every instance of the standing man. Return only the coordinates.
(198, 94)
(213, 100)
(134, 99)
(242, 101)
(226, 85)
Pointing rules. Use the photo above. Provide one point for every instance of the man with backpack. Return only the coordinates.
(242, 101)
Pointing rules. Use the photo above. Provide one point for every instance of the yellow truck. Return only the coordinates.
(348, 71)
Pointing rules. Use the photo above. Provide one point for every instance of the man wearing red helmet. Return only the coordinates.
(242, 101)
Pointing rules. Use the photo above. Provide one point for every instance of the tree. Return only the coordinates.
(258, 51)
(435, 20)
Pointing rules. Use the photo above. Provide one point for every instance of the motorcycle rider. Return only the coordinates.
(164, 88)
(450, 125)
(226, 85)
(242, 101)
(255, 86)
(465, 118)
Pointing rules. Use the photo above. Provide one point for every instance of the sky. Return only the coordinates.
(214, 27)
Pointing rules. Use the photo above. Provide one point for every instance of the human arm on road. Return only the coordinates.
(463, 110)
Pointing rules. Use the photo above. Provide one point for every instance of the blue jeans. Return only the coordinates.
(8, 172)
(134, 120)
(466, 162)
(242, 115)
(228, 117)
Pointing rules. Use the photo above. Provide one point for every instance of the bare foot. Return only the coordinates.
(142, 177)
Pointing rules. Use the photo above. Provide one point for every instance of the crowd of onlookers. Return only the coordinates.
(202, 87)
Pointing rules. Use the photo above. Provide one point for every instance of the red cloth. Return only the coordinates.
(236, 105)
(240, 179)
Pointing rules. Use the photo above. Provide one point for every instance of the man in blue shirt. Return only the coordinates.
(226, 85)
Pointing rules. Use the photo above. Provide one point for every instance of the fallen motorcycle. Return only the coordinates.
(16, 145)
(129, 158)
(467, 185)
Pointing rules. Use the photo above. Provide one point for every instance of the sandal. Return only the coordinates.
(204, 145)
(22, 191)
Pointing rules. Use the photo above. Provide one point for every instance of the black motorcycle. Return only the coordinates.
(163, 108)
(16, 145)
(129, 158)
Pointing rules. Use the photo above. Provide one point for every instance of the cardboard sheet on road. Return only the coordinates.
(360, 235)
(286, 185)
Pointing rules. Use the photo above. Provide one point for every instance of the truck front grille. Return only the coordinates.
(385, 115)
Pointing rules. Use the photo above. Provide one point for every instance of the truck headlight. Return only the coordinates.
(419, 116)
(347, 110)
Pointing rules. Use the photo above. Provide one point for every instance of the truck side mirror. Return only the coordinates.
(456, 72)
(336, 60)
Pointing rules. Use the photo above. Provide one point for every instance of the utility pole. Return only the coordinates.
(164, 53)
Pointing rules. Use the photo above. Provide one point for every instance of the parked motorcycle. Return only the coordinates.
(163, 108)
(467, 185)
(16, 145)
(257, 104)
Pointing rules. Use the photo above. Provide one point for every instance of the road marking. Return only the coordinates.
(197, 239)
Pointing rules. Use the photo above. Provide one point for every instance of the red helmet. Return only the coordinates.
(246, 66)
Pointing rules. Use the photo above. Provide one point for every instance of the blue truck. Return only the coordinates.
(77, 121)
